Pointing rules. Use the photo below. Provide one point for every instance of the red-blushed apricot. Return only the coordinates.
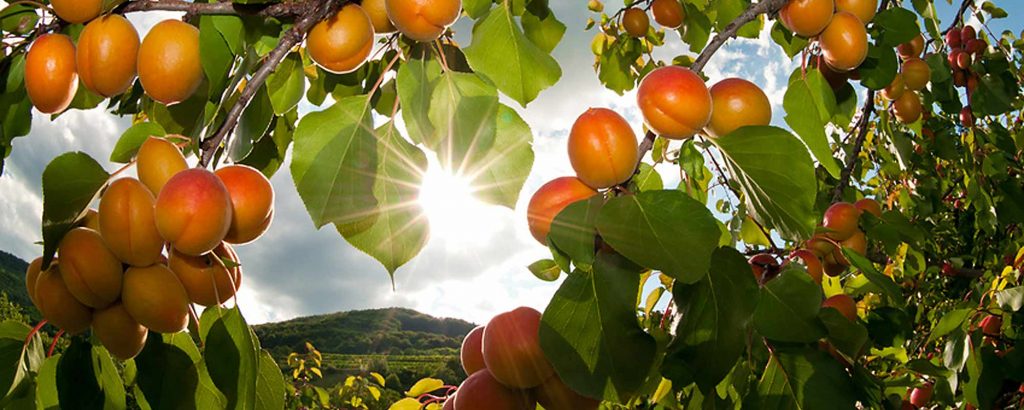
(635, 21)
(423, 20)
(252, 202)
(77, 11)
(108, 51)
(870, 206)
(449, 403)
(157, 161)
(472, 352)
(953, 38)
(976, 46)
(858, 243)
(765, 267)
(675, 102)
(51, 78)
(810, 261)
(602, 148)
(91, 220)
(967, 117)
(154, 297)
(806, 18)
(844, 304)
(912, 48)
(553, 394)
(551, 199)
(841, 219)
(512, 349)
(32, 274)
(341, 43)
(668, 13)
(127, 225)
(963, 60)
(967, 34)
(193, 211)
(58, 305)
(844, 43)
(895, 89)
(169, 63)
(481, 391)
(920, 396)
(820, 245)
(991, 325)
(378, 14)
(119, 332)
(737, 103)
(208, 280)
(907, 108)
(863, 9)
(90, 270)
(916, 73)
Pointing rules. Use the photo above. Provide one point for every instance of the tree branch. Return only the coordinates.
(764, 7)
(959, 14)
(282, 9)
(861, 128)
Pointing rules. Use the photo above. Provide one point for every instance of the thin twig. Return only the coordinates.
(861, 128)
(764, 7)
(282, 9)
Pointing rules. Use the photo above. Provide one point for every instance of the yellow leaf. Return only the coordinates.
(664, 389)
(424, 386)
(350, 381)
(376, 376)
(316, 371)
(406, 404)
(375, 392)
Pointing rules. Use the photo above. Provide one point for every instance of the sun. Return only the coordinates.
(455, 214)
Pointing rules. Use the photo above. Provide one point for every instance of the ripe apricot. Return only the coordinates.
(895, 89)
(51, 79)
(991, 325)
(481, 391)
(127, 225)
(737, 103)
(553, 394)
(963, 60)
(58, 305)
(870, 206)
(551, 199)
(472, 352)
(967, 34)
(668, 13)
(91, 220)
(916, 73)
(844, 304)
(423, 20)
(32, 274)
(169, 62)
(512, 349)
(953, 38)
(907, 108)
(810, 261)
(207, 279)
(157, 161)
(635, 22)
(77, 11)
(90, 270)
(966, 117)
(602, 148)
(844, 43)
(342, 43)
(765, 267)
(155, 298)
(378, 14)
(841, 219)
(108, 51)
(820, 245)
(912, 48)
(119, 332)
(920, 396)
(976, 46)
(858, 243)
(863, 9)
(252, 202)
(806, 18)
(193, 211)
(674, 101)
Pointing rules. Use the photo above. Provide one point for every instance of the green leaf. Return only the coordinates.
(696, 28)
(776, 176)
(894, 26)
(270, 392)
(167, 376)
(889, 288)
(231, 355)
(334, 163)
(114, 396)
(949, 322)
(985, 377)
(70, 183)
(18, 18)
(217, 57)
(498, 178)
(879, 68)
(252, 126)
(662, 230)
(46, 384)
(805, 378)
(573, 231)
(129, 143)
(416, 81)
(809, 105)
(1011, 299)
(546, 270)
(463, 111)
(542, 27)
(17, 359)
(77, 386)
(647, 179)
(476, 8)
(590, 333)
(504, 54)
(788, 310)
(847, 335)
(287, 84)
(791, 43)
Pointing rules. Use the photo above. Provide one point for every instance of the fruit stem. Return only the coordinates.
(959, 14)
(53, 345)
(34, 330)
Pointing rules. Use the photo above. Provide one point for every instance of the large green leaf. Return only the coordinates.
(889, 288)
(47, 397)
(416, 81)
(231, 355)
(133, 138)
(77, 385)
(809, 105)
(499, 176)
(788, 310)
(463, 111)
(270, 391)
(17, 359)
(894, 26)
(252, 126)
(542, 27)
(287, 84)
(805, 378)
(70, 183)
(573, 231)
(167, 376)
(776, 176)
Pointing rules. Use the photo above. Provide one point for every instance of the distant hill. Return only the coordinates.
(12, 281)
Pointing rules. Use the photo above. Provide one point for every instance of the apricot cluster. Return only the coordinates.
(667, 13)
(111, 272)
(838, 25)
(965, 47)
(507, 368)
(914, 75)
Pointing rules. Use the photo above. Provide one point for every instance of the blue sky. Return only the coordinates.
(475, 263)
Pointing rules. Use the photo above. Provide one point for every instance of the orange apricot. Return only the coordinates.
(108, 51)
(58, 305)
(858, 242)
(511, 348)
(423, 20)
(169, 62)
(810, 261)
(806, 18)
(870, 206)
(668, 13)
(844, 43)
(77, 11)
(127, 225)
(553, 394)
(157, 161)
(863, 9)
(482, 391)
(472, 352)
(342, 43)
(895, 89)
(820, 245)
(51, 79)
(378, 14)
(252, 202)
(208, 279)
(635, 21)
(155, 298)
(844, 304)
(737, 103)
(602, 148)
(91, 220)
(916, 73)
(907, 108)
(91, 271)
(912, 48)
(674, 101)
(119, 332)
(32, 274)
(842, 221)
(193, 211)
(550, 200)
(764, 266)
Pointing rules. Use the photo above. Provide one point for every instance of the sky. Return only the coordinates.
(474, 265)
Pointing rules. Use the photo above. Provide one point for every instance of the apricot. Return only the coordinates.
(858, 243)
(635, 22)
(991, 325)
(832, 266)
(551, 199)
(967, 34)
(472, 353)
(108, 50)
(157, 161)
(423, 20)
(870, 206)
(895, 89)
(806, 18)
(252, 202)
(920, 396)
(912, 48)
(119, 332)
(193, 211)
(51, 79)
(511, 346)
(378, 14)
(155, 298)
(976, 46)
(553, 394)
(668, 13)
(863, 9)
(820, 245)
(844, 304)
(737, 103)
(907, 108)
(342, 43)
(602, 148)
(127, 225)
(206, 278)
(91, 220)
(482, 391)
(91, 271)
(32, 274)
(811, 262)
(77, 11)
(967, 117)
(169, 63)
(844, 43)
(963, 60)
(674, 101)
(841, 219)
(765, 267)
(58, 305)
(916, 73)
